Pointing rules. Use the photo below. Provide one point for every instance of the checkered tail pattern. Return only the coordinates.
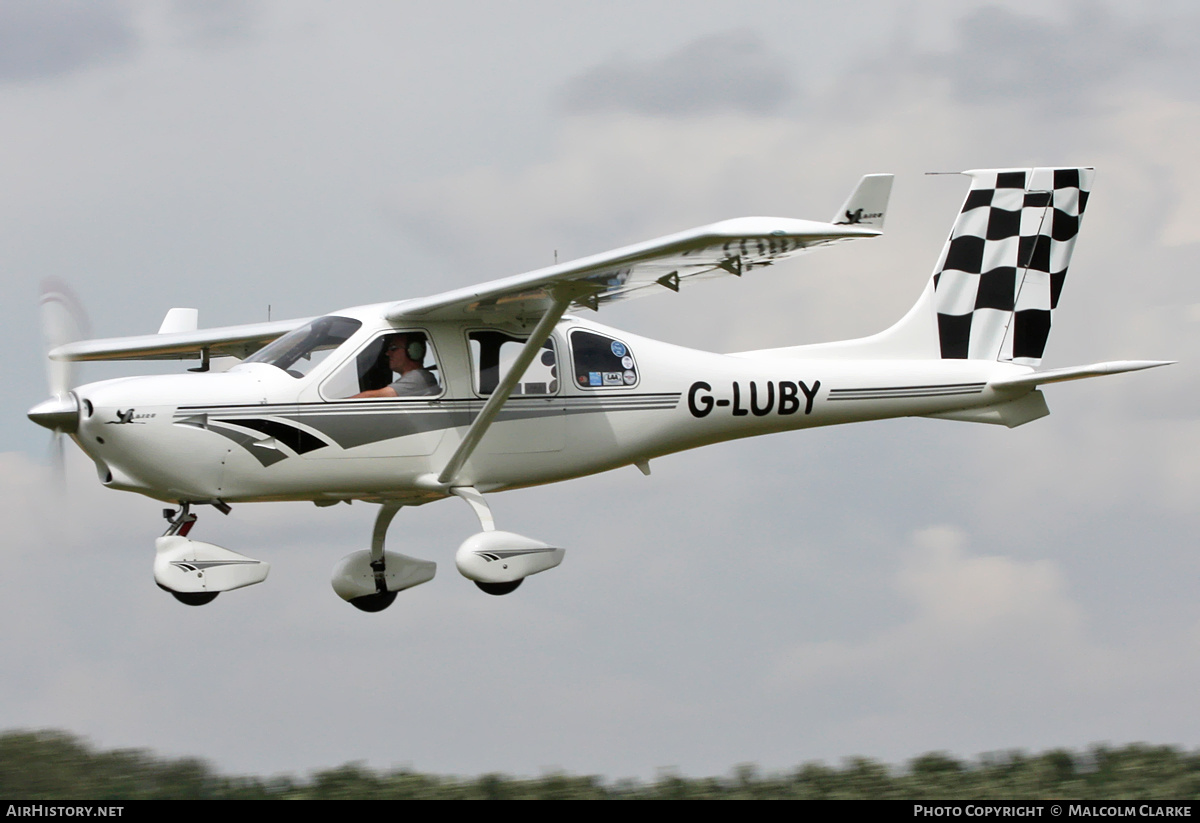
(1000, 275)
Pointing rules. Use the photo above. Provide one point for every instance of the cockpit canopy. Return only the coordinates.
(298, 351)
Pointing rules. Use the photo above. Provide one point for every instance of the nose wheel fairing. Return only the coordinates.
(195, 572)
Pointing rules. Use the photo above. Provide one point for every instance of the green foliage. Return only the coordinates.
(50, 765)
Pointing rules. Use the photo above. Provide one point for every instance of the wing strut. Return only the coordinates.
(562, 295)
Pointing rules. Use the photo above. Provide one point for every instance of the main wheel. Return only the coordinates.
(195, 598)
(374, 602)
(499, 588)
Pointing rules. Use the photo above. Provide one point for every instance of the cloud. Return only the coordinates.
(1004, 56)
(729, 72)
(961, 606)
(210, 22)
(991, 646)
(50, 38)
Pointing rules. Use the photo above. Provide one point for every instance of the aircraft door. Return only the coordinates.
(534, 417)
(386, 400)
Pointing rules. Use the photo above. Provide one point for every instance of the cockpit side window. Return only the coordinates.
(492, 355)
(300, 350)
(410, 372)
(601, 362)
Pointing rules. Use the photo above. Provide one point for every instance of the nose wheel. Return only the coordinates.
(181, 523)
(194, 573)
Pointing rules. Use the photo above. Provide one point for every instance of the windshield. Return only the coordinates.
(298, 351)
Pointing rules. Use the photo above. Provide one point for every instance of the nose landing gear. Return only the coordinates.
(194, 572)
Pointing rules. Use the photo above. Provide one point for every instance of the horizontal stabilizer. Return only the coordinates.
(1029, 381)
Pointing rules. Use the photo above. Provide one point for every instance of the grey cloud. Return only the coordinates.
(1002, 55)
(50, 38)
(207, 22)
(733, 71)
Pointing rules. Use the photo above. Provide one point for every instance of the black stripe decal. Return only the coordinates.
(295, 439)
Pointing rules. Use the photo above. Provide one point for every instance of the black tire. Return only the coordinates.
(374, 602)
(499, 588)
(195, 598)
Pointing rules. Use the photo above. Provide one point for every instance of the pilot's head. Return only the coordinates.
(405, 352)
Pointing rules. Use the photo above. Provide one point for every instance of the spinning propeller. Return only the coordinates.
(63, 321)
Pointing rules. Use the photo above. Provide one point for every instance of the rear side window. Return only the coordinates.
(601, 361)
(492, 355)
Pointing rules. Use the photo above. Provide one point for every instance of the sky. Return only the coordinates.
(885, 589)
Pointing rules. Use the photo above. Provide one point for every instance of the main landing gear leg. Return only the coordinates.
(370, 580)
(382, 598)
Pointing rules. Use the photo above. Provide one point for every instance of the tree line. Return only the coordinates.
(54, 765)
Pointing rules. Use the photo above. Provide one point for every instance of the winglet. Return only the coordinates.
(867, 204)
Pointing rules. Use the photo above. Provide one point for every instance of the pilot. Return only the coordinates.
(406, 356)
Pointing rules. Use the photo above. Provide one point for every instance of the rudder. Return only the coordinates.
(1001, 272)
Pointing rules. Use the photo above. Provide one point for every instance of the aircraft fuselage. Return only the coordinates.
(258, 433)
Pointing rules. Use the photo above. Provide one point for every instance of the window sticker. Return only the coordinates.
(599, 361)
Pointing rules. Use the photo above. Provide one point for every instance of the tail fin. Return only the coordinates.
(998, 280)
(867, 204)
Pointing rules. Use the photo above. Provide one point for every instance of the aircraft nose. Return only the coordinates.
(58, 413)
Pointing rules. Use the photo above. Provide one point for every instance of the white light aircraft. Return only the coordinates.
(499, 388)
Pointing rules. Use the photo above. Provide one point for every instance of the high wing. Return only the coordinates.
(236, 341)
(731, 247)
